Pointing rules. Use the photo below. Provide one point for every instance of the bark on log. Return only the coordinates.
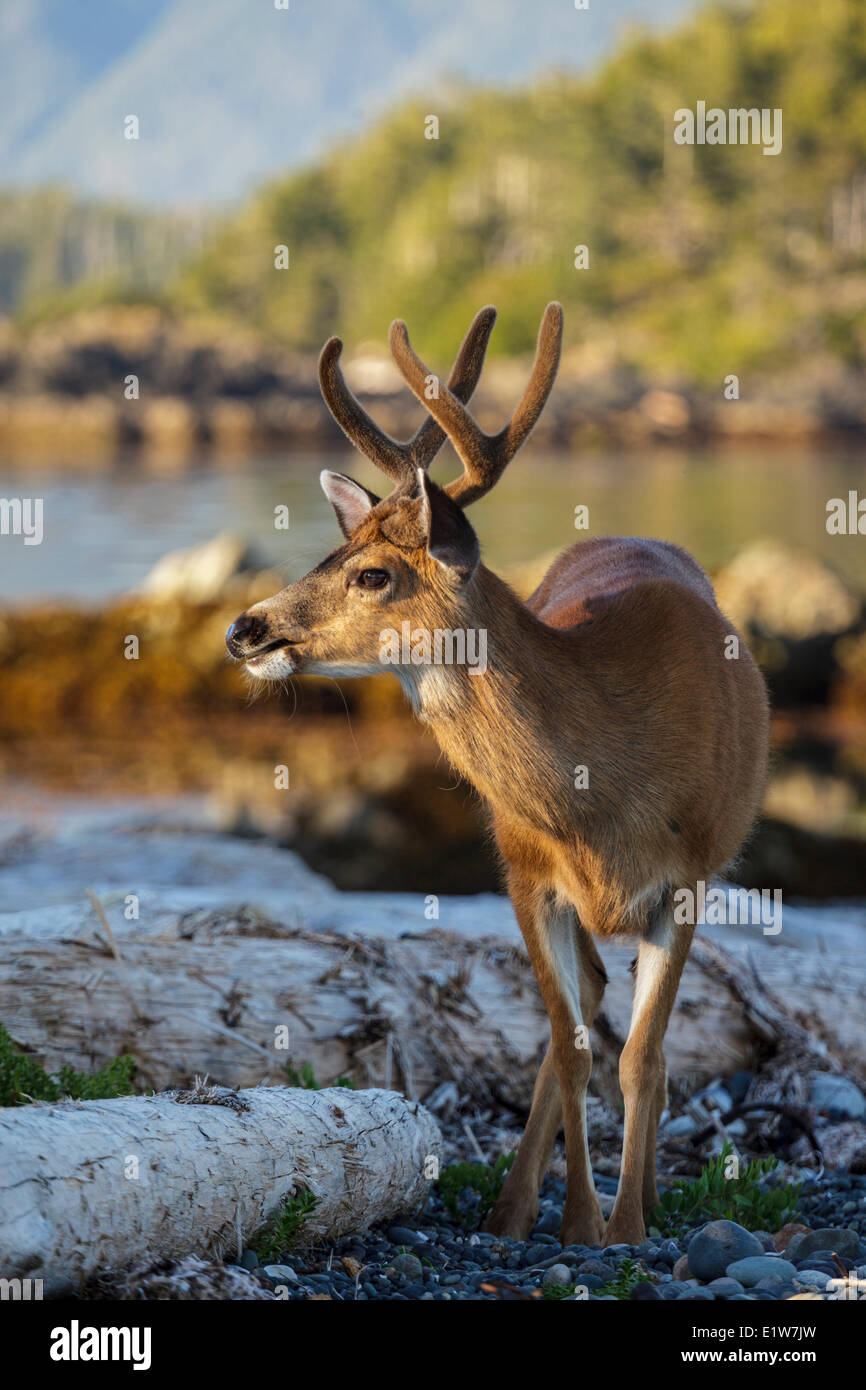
(96, 1186)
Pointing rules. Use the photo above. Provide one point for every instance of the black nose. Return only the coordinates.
(246, 634)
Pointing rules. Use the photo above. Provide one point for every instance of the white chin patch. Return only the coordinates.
(273, 666)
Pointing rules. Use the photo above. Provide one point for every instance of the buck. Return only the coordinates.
(620, 662)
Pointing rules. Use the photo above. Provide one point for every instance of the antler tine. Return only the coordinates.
(484, 456)
(401, 458)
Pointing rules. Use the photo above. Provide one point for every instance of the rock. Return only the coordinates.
(784, 1236)
(830, 1238)
(549, 1223)
(644, 1292)
(837, 1095)
(717, 1245)
(738, 1085)
(600, 1268)
(401, 1235)
(715, 1097)
(858, 1161)
(557, 1275)
(281, 1273)
(203, 573)
(407, 1267)
(249, 1260)
(755, 1268)
(681, 1268)
(840, 1141)
(680, 1127)
(811, 1279)
(791, 608)
(724, 1287)
(767, 1241)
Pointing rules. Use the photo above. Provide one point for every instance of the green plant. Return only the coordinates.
(484, 1179)
(553, 1292)
(23, 1080)
(305, 1078)
(630, 1272)
(284, 1225)
(714, 1196)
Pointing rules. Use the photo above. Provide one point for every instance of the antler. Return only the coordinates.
(484, 456)
(401, 459)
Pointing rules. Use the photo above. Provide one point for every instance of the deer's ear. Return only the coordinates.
(350, 501)
(450, 538)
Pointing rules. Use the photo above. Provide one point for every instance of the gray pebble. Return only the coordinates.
(407, 1266)
(725, 1288)
(812, 1279)
(284, 1274)
(401, 1235)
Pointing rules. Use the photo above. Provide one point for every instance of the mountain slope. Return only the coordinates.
(703, 260)
(230, 91)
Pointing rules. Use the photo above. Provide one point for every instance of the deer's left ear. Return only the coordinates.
(450, 538)
(350, 501)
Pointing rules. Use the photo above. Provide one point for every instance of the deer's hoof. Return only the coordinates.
(508, 1219)
(624, 1233)
(584, 1227)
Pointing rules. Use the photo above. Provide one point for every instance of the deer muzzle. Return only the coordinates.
(251, 636)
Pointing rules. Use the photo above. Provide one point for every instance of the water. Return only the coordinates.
(104, 531)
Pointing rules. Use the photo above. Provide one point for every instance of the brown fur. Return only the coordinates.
(616, 663)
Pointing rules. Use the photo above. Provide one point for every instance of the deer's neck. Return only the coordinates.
(518, 724)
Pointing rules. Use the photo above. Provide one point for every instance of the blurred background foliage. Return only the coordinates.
(703, 261)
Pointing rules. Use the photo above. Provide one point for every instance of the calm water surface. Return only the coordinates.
(104, 531)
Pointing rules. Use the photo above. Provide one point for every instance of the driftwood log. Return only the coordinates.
(93, 1187)
(246, 999)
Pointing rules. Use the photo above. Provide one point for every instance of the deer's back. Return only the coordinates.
(586, 577)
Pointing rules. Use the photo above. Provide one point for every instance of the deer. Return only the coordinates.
(620, 663)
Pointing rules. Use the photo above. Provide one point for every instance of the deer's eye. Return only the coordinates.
(372, 579)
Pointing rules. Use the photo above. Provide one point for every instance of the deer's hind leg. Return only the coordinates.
(661, 956)
(571, 979)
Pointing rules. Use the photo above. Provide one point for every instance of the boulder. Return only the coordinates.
(204, 573)
(836, 1238)
(792, 608)
(715, 1246)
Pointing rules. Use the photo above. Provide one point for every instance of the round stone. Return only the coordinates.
(754, 1268)
(717, 1245)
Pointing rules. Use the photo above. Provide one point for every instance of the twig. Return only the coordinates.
(476, 1147)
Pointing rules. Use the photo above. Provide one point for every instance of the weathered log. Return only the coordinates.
(246, 1000)
(241, 997)
(93, 1187)
(356, 984)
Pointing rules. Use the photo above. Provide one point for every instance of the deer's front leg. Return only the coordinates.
(661, 957)
(571, 979)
